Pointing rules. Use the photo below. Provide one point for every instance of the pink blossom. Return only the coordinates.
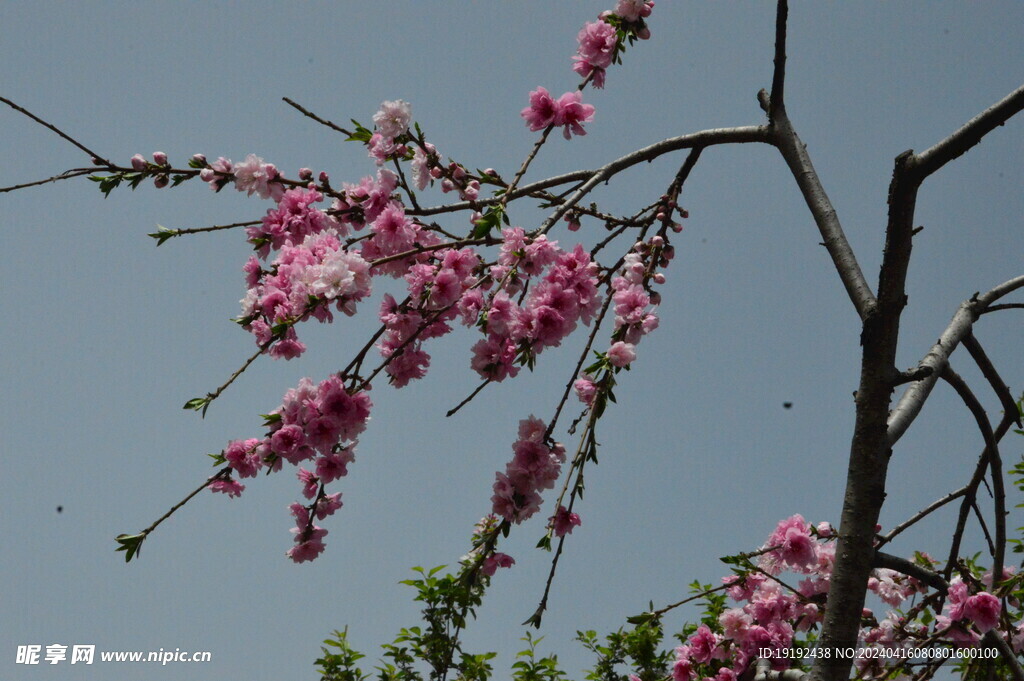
(495, 561)
(573, 113)
(621, 354)
(310, 547)
(704, 645)
(683, 670)
(254, 176)
(139, 162)
(633, 10)
(983, 609)
(796, 547)
(310, 483)
(334, 465)
(597, 41)
(393, 118)
(242, 456)
(327, 505)
(563, 521)
(228, 486)
(586, 389)
(543, 110)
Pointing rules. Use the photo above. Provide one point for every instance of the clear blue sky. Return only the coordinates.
(105, 336)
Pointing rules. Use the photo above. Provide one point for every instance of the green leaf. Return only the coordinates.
(130, 544)
(197, 403)
(218, 459)
(162, 234)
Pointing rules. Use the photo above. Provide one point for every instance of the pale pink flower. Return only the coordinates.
(621, 354)
(254, 176)
(393, 118)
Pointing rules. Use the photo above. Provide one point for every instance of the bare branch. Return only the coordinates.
(93, 156)
(914, 397)
(799, 162)
(777, 103)
(920, 515)
(994, 464)
(992, 376)
(972, 132)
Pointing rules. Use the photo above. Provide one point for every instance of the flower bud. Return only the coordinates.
(139, 162)
(659, 278)
(436, 173)
(160, 181)
(199, 158)
(644, 33)
(159, 158)
(305, 174)
(657, 241)
(324, 177)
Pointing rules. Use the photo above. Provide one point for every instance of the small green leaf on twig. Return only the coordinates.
(130, 544)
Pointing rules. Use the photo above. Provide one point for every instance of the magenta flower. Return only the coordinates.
(498, 560)
(228, 486)
(983, 609)
(543, 110)
(563, 521)
(573, 113)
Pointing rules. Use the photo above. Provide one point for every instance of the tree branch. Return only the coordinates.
(914, 397)
(969, 135)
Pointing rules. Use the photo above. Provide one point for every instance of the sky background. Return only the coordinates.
(105, 336)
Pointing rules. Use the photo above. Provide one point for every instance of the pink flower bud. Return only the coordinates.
(644, 33)
(159, 158)
(574, 226)
(657, 241)
(305, 174)
(659, 278)
(324, 177)
(160, 181)
(139, 162)
(199, 158)
(490, 171)
(435, 172)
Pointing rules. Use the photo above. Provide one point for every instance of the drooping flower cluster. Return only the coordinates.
(566, 294)
(435, 288)
(534, 467)
(304, 280)
(318, 423)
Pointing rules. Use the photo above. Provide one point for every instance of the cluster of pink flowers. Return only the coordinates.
(963, 609)
(770, 613)
(293, 220)
(535, 466)
(438, 289)
(391, 121)
(567, 111)
(314, 422)
(566, 294)
(303, 281)
(365, 201)
(597, 45)
(251, 176)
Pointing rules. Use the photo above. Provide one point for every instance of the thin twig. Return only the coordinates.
(96, 158)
